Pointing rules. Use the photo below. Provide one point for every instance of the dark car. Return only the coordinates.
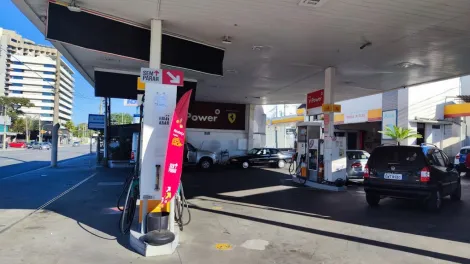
(262, 157)
(411, 172)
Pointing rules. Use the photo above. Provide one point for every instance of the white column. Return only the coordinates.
(251, 124)
(330, 85)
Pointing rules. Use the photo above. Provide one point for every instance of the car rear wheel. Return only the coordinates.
(373, 199)
(281, 164)
(457, 194)
(434, 202)
(205, 164)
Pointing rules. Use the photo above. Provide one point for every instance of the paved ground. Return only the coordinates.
(257, 212)
(14, 161)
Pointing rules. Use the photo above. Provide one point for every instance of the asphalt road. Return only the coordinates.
(16, 161)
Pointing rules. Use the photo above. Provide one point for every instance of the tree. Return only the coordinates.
(70, 126)
(121, 118)
(18, 125)
(399, 134)
(13, 105)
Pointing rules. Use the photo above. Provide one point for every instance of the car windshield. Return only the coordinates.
(191, 147)
(254, 151)
(357, 155)
(404, 156)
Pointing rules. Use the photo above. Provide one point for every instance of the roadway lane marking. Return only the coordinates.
(46, 167)
(110, 183)
(49, 202)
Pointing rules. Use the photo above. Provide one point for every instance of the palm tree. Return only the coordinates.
(399, 134)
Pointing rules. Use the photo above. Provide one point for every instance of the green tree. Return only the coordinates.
(399, 134)
(70, 126)
(121, 118)
(13, 105)
(18, 125)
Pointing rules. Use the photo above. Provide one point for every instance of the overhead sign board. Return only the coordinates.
(356, 117)
(315, 101)
(207, 115)
(96, 121)
(389, 119)
(159, 76)
(130, 102)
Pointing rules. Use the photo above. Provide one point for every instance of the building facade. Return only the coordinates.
(29, 71)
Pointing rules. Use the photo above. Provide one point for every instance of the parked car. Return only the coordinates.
(76, 144)
(17, 145)
(411, 172)
(262, 157)
(41, 146)
(460, 159)
(197, 157)
(355, 164)
(29, 145)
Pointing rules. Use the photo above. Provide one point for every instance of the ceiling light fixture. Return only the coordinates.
(406, 65)
(257, 48)
(227, 40)
(73, 7)
(232, 71)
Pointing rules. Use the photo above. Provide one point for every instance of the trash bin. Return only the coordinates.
(157, 221)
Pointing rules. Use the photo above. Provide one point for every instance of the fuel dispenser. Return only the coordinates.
(324, 157)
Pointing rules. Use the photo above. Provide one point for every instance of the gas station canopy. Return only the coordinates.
(276, 51)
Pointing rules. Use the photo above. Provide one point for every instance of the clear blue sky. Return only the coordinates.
(85, 101)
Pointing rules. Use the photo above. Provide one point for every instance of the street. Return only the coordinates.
(15, 161)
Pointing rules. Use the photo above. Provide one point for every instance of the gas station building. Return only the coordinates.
(238, 55)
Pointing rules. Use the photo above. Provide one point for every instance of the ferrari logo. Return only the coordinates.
(176, 142)
(232, 117)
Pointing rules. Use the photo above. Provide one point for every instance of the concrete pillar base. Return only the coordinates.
(147, 250)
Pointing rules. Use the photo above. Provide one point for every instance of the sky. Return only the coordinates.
(85, 101)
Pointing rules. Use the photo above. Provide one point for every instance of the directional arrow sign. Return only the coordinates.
(173, 77)
(169, 77)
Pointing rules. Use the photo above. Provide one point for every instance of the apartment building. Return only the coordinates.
(29, 70)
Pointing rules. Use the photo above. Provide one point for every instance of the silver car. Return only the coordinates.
(356, 162)
(202, 158)
(41, 146)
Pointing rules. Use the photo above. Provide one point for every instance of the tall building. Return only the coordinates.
(28, 70)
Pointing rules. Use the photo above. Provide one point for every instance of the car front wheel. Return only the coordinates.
(205, 164)
(245, 165)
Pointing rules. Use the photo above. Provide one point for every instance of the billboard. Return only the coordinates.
(216, 116)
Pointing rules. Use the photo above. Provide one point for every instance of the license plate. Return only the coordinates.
(393, 176)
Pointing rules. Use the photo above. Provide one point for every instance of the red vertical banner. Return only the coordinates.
(173, 166)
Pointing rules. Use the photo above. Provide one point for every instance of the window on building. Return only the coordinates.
(17, 77)
(48, 94)
(47, 101)
(48, 86)
(18, 70)
(14, 40)
(49, 65)
(46, 115)
(16, 84)
(17, 62)
(48, 72)
(47, 108)
(17, 92)
(48, 79)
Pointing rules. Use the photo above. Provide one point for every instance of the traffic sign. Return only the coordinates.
(130, 102)
(96, 121)
(160, 76)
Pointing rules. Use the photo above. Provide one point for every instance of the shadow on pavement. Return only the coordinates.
(263, 188)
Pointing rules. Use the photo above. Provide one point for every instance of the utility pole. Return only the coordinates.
(39, 128)
(55, 120)
(27, 129)
(4, 127)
